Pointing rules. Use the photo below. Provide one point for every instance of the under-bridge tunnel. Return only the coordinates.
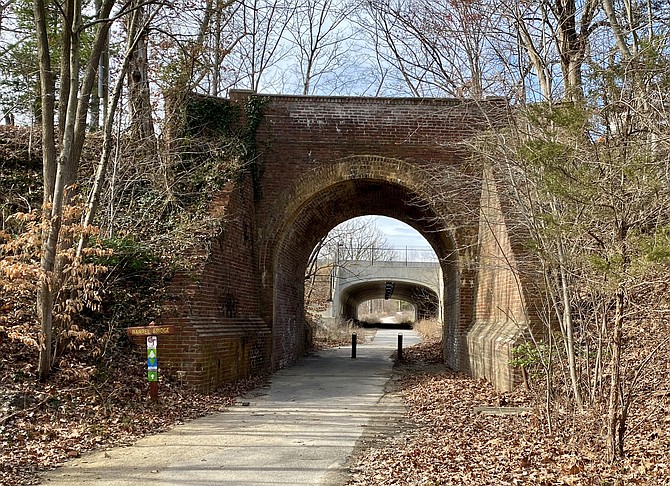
(315, 162)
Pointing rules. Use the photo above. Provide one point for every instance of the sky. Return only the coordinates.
(407, 242)
(399, 234)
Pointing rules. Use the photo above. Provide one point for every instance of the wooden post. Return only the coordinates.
(151, 333)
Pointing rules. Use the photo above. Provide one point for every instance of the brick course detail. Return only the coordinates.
(325, 160)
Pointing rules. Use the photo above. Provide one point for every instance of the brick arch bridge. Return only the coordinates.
(325, 160)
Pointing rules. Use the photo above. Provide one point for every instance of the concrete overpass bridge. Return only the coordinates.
(354, 282)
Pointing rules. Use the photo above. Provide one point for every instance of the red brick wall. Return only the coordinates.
(331, 159)
(216, 306)
(502, 292)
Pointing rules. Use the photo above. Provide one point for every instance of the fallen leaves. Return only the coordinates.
(43, 425)
(449, 443)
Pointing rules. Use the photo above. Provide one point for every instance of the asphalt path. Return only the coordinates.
(302, 429)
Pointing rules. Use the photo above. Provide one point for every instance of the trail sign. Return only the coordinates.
(150, 330)
(152, 342)
(152, 353)
(152, 366)
(151, 333)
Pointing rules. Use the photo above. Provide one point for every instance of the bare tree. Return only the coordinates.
(435, 49)
(191, 44)
(61, 160)
(593, 196)
(137, 29)
(355, 239)
(101, 171)
(556, 31)
(318, 30)
(222, 41)
(264, 23)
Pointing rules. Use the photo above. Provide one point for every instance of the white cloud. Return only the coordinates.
(399, 234)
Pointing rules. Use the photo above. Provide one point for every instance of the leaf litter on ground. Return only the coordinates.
(447, 442)
(42, 425)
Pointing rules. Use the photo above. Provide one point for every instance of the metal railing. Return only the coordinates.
(406, 254)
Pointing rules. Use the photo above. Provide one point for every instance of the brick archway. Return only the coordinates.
(321, 161)
(330, 194)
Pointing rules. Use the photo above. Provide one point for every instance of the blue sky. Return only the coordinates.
(399, 234)
(407, 242)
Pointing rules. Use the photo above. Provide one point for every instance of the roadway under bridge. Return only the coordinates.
(354, 282)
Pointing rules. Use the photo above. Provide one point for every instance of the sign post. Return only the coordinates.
(151, 333)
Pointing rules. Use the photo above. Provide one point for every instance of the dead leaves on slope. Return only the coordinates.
(449, 443)
(43, 425)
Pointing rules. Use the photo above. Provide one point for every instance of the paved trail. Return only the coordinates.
(300, 430)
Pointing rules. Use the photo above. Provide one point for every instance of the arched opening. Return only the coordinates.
(350, 291)
(410, 302)
(373, 258)
(320, 203)
(386, 313)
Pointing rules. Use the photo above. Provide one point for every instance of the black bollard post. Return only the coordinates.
(353, 345)
(400, 347)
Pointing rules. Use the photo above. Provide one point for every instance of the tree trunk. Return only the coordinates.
(616, 29)
(65, 68)
(44, 294)
(537, 61)
(141, 123)
(97, 95)
(60, 175)
(614, 417)
(569, 338)
(47, 91)
(567, 324)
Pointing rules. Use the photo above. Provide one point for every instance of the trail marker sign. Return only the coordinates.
(152, 359)
(152, 333)
(152, 366)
